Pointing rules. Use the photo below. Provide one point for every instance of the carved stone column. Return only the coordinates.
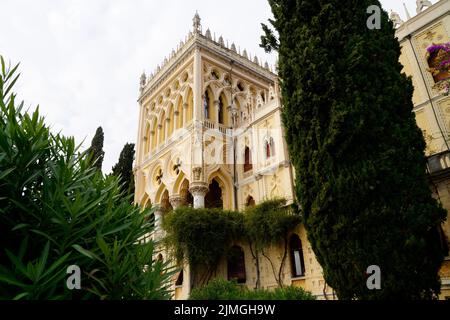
(158, 220)
(176, 201)
(198, 191)
(185, 113)
(216, 108)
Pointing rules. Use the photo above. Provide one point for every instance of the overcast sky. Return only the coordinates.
(81, 59)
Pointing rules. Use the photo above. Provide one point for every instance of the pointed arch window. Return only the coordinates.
(206, 105)
(250, 202)
(236, 265)
(247, 160)
(269, 147)
(296, 256)
(221, 111)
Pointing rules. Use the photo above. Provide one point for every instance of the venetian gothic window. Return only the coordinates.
(247, 160)
(250, 202)
(269, 147)
(213, 198)
(221, 111)
(206, 105)
(296, 256)
(236, 265)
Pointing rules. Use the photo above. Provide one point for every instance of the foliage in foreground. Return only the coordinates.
(219, 289)
(356, 148)
(56, 210)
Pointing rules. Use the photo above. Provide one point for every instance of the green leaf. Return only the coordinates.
(85, 252)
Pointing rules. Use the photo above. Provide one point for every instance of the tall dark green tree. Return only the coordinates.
(124, 168)
(96, 149)
(357, 150)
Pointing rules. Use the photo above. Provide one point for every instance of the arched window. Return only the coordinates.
(296, 255)
(236, 264)
(269, 146)
(213, 198)
(247, 160)
(221, 111)
(206, 105)
(250, 202)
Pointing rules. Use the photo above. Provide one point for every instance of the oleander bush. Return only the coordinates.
(57, 210)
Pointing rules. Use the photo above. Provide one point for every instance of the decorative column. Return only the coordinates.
(158, 135)
(152, 141)
(176, 114)
(216, 108)
(198, 84)
(158, 220)
(199, 191)
(166, 128)
(185, 113)
(176, 201)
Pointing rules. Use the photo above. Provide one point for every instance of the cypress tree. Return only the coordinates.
(96, 149)
(356, 148)
(124, 168)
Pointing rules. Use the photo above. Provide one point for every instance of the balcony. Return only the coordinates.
(439, 164)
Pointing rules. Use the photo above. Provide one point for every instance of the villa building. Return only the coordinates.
(210, 135)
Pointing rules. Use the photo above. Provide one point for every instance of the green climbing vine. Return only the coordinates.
(202, 237)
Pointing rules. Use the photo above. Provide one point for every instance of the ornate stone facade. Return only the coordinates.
(210, 134)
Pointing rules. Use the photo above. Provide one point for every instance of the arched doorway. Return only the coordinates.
(213, 198)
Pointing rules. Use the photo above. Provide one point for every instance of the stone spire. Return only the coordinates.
(221, 42)
(143, 80)
(197, 23)
(208, 34)
(408, 16)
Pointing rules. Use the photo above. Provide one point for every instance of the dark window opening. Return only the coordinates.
(220, 111)
(247, 160)
(213, 198)
(206, 105)
(179, 281)
(236, 264)
(296, 255)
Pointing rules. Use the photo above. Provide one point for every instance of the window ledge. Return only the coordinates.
(179, 286)
(298, 278)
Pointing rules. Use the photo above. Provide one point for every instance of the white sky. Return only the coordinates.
(81, 59)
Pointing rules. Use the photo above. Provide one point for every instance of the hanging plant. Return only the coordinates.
(438, 57)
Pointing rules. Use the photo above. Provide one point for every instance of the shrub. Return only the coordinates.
(201, 236)
(220, 289)
(56, 210)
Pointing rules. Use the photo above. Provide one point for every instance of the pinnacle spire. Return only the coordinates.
(197, 23)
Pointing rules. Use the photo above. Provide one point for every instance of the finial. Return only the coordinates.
(266, 65)
(143, 80)
(395, 18)
(244, 54)
(208, 34)
(197, 23)
(233, 47)
(255, 60)
(221, 41)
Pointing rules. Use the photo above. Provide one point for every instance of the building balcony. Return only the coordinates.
(438, 164)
